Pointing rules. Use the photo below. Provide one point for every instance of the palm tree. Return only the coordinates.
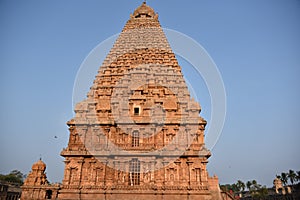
(248, 185)
(284, 178)
(241, 185)
(234, 188)
(298, 176)
(254, 183)
(292, 176)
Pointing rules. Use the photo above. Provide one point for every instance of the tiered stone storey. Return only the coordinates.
(138, 135)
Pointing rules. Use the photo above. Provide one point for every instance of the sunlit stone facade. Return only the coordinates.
(138, 134)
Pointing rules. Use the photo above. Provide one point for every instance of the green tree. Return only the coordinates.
(234, 188)
(15, 176)
(229, 188)
(298, 175)
(248, 185)
(255, 185)
(261, 192)
(240, 185)
(223, 188)
(284, 178)
(292, 176)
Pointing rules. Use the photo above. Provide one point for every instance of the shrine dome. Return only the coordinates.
(39, 165)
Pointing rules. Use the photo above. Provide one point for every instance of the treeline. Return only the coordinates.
(14, 177)
(257, 190)
(290, 177)
(238, 188)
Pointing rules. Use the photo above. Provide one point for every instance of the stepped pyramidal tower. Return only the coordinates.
(138, 134)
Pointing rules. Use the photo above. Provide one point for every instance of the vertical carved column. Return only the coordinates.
(204, 171)
(66, 180)
(152, 172)
(189, 163)
(176, 137)
(157, 172)
(105, 172)
(95, 138)
(178, 173)
(153, 142)
(107, 137)
(92, 178)
(80, 161)
(165, 132)
(188, 135)
(127, 180)
(165, 163)
(83, 136)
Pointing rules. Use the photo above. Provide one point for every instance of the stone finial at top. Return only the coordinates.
(144, 11)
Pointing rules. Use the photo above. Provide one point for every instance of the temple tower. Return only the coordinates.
(36, 185)
(138, 134)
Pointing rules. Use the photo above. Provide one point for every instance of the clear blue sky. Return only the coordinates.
(255, 44)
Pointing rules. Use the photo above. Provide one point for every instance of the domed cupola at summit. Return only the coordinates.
(144, 11)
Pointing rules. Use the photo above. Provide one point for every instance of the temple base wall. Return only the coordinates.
(138, 195)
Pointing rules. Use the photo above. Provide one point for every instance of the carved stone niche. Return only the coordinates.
(170, 104)
(172, 174)
(103, 104)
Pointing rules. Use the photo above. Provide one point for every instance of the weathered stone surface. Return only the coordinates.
(138, 135)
